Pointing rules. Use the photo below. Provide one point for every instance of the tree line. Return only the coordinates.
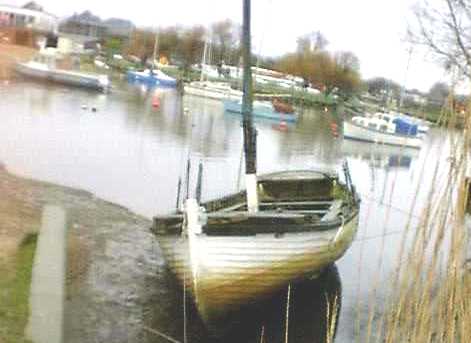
(184, 46)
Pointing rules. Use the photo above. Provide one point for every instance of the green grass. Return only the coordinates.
(15, 282)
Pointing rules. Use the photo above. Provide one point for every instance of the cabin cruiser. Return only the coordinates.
(383, 129)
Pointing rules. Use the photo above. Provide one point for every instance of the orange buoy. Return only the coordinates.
(282, 126)
(156, 102)
(333, 129)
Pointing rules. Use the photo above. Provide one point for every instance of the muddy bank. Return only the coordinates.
(9, 55)
(113, 263)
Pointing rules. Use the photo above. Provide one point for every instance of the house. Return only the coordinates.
(30, 16)
(86, 32)
(84, 24)
(78, 44)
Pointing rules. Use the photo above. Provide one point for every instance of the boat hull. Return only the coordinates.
(356, 132)
(226, 272)
(211, 94)
(264, 112)
(150, 80)
(99, 83)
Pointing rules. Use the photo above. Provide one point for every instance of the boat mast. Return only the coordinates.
(154, 55)
(203, 62)
(250, 144)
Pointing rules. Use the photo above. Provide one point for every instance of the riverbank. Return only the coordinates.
(96, 256)
(10, 54)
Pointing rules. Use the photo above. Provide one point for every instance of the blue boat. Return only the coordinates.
(151, 78)
(263, 110)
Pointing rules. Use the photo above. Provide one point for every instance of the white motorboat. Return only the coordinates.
(45, 67)
(383, 130)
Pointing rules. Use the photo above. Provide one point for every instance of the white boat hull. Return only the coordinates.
(97, 82)
(211, 94)
(226, 272)
(360, 133)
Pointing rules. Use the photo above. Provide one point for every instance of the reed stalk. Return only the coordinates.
(430, 295)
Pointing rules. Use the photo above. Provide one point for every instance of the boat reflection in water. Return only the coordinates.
(380, 155)
(314, 308)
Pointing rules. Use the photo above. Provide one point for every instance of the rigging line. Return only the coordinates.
(184, 308)
(388, 205)
(389, 233)
(158, 333)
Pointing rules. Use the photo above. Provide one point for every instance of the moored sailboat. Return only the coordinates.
(284, 227)
(152, 77)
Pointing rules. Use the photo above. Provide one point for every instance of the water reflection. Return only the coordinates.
(380, 155)
(314, 309)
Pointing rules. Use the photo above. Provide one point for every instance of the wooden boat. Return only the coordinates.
(285, 226)
(306, 221)
(44, 68)
(377, 130)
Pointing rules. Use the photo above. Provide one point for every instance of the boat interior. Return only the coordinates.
(287, 203)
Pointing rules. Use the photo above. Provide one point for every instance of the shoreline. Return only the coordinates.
(23, 199)
(9, 55)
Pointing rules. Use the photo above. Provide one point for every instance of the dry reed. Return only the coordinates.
(430, 295)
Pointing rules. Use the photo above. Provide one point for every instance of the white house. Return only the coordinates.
(30, 16)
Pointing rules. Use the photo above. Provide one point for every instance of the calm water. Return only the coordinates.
(132, 154)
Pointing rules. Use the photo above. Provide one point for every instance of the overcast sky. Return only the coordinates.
(373, 29)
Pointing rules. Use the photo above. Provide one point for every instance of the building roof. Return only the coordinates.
(33, 6)
(85, 17)
(26, 11)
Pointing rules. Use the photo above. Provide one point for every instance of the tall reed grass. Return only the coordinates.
(429, 299)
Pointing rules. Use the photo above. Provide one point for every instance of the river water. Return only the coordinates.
(124, 150)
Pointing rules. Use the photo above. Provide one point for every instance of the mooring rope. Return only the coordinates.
(287, 314)
(158, 333)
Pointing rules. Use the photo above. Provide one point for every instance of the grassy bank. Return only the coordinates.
(15, 286)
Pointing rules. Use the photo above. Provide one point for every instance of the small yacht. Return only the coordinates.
(151, 77)
(212, 90)
(383, 129)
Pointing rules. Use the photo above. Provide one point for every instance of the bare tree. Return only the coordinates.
(225, 34)
(444, 26)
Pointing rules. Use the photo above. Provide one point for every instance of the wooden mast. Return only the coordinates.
(250, 144)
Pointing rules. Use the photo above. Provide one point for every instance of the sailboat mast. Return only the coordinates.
(250, 145)
(203, 62)
(154, 55)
